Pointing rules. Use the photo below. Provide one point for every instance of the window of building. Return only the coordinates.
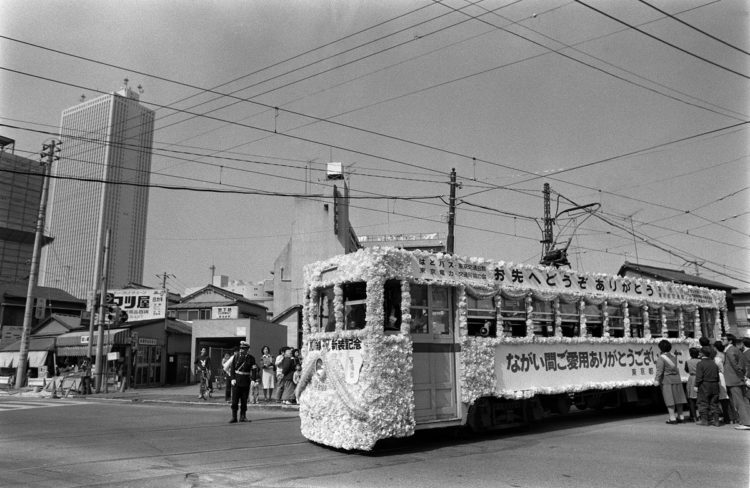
(513, 313)
(430, 309)
(481, 316)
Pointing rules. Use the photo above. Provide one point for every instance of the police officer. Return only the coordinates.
(239, 372)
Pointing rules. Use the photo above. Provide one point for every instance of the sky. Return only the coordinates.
(635, 110)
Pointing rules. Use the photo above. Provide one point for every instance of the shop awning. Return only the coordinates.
(80, 351)
(81, 338)
(36, 359)
(7, 359)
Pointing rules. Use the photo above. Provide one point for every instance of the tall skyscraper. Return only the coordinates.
(20, 193)
(99, 183)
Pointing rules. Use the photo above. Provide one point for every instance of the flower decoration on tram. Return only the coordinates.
(477, 369)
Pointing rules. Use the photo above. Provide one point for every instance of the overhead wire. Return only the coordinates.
(676, 19)
(657, 38)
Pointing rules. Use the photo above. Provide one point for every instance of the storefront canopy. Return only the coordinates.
(81, 338)
(37, 352)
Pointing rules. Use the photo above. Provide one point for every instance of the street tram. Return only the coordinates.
(397, 340)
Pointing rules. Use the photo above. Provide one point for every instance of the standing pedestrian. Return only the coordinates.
(668, 377)
(268, 377)
(734, 375)
(707, 382)
(285, 392)
(85, 377)
(729, 414)
(691, 387)
(239, 371)
(203, 371)
(746, 365)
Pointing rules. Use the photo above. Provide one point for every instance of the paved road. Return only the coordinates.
(152, 443)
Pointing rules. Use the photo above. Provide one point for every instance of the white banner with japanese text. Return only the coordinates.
(557, 366)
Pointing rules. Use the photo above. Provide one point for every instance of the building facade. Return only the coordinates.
(100, 183)
(20, 193)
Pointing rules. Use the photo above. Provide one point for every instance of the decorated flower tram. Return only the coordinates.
(397, 340)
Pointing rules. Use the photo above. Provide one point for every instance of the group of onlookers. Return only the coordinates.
(280, 374)
(718, 386)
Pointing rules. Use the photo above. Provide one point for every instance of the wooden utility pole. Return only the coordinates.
(50, 151)
(100, 361)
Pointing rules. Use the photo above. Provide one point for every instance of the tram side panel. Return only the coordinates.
(523, 370)
(357, 390)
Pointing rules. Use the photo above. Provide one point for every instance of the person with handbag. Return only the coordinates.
(668, 378)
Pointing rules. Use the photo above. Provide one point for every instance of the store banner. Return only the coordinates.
(139, 304)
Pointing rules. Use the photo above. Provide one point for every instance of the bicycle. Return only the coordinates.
(205, 391)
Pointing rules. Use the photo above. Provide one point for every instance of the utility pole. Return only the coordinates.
(164, 277)
(50, 151)
(451, 212)
(102, 308)
(547, 237)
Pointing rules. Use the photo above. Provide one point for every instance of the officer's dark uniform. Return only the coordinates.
(239, 373)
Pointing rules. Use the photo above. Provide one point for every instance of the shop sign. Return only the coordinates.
(139, 304)
(146, 341)
(224, 312)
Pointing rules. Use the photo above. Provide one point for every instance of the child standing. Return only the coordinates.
(254, 383)
(692, 391)
(707, 381)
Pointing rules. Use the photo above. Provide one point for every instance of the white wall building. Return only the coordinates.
(106, 139)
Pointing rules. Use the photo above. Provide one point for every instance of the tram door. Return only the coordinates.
(433, 340)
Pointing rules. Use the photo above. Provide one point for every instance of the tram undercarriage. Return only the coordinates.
(492, 413)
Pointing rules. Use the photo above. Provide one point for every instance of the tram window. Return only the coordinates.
(392, 306)
(481, 317)
(654, 321)
(708, 319)
(355, 305)
(593, 320)
(570, 320)
(430, 310)
(544, 318)
(636, 322)
(673, 329)
(616, 328)
(326, 317)
(513, 313)
(418, 321)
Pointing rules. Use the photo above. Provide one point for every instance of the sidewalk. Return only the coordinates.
(179, 394)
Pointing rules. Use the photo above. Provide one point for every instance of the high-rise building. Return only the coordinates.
(20, 193)
(99, 183)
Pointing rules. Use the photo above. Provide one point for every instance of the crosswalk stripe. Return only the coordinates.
(25, 405)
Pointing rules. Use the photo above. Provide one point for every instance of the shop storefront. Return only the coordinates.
(40, 357)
